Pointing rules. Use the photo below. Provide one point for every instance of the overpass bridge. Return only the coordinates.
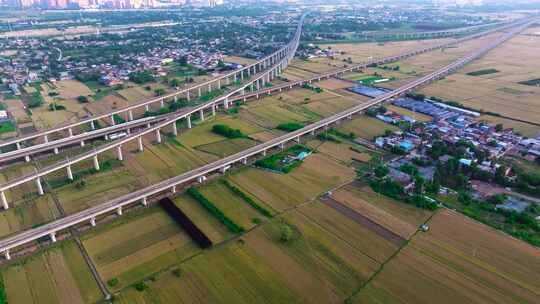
(273, 64)
(80, 139)
(199, 174)
(171, 122)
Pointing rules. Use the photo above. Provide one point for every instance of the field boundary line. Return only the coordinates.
(390, 258)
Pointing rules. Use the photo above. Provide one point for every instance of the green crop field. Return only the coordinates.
(462, 261)
(230, 204)
(208, 224)
(59, 275)
(315, 175)
(132, 250)
(227, 147)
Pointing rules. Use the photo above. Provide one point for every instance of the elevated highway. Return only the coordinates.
(27, 152)
(199, 174)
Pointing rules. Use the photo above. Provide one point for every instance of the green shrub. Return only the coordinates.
(208, 205)
(113, 282)
(177, 272)
(290, 126)
(227, 131)
(140, 286)
(56, 107)
(286, 233)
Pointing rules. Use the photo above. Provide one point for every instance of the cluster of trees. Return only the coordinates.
(141, 77)
(290, 126)
(227, 131)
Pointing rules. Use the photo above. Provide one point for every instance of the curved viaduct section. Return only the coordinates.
(270, 66)
(80, 139)
(116, 205)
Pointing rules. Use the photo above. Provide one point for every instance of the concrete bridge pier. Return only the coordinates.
(188, 121)
(112, 120)
(96, 163)
(144, 201)
(70, 132)
(201, 113)
(175, 129)
(219, 84)
(199, 91)
(162, 102)
(93, 222)
(173, 189)
(53, 236)
(297, 139)
(141, 147)
(4, 200)
(158, 136)
(69, 172)
(7, 255)
(130, 115)
(92, 125)
(119, 210)
(27, 158)
(209, 87)
(18, 144)
(264, 152)
(244, 161)
(45, 138)
(187, 96)
(146, 108)
(119, 153)
(201, 179)
(213, 110)
(39, 186)
(56, 151)
(281, 146)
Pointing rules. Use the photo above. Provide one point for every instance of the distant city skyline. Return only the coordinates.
(114, 4)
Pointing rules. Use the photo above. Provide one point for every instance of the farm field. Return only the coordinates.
(27, 214)
(98, 189)
(130, 250)
(499, 92)
(59, 275)
(232, 205)
(462, 262)
(366, 127)
(342, 152)
(206, 222)
(360, 52)
(202, 134)
(398, 217)
(317, 174)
